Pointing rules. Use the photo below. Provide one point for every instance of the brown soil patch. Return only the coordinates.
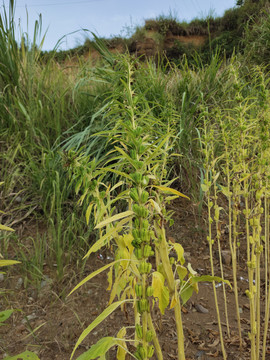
(59, 320)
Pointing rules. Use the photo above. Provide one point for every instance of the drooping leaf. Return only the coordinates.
(114, 218)
(88, 212)
(27, 355)
(181, 271)
(186, 293)
(170, 190)
(93, 274)
(155, 206)
(96, 322)
(99, 349)
(179, 251)
(210, 278)
(8, 262)
(122, 349)
(160, 291)
(6, 228)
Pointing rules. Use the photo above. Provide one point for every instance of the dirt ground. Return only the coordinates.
(56, 321)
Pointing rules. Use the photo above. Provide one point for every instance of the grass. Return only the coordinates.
(216, 112)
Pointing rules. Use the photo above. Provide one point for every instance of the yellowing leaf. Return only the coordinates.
(8, 262)
(179, 251)
(122, 349)
(204, 187)
(93, 274)
(114, 218)
(6, 228)
(155, 205)
(170, 190)
(88, 212)
(181, 271)
(160, 291)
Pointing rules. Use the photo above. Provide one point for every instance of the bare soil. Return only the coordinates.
(57, 321)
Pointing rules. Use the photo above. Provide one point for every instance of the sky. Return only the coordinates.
(106, 18)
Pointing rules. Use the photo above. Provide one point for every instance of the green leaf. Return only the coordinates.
(186, 293)
(27, 355)
(4, 315)
(204, 187)
(170, 190)
(160, 291)
(8, 262)
(6, 228)
(96, 322)
(99, 349)
(114, 218)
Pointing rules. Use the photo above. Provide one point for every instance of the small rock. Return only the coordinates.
(45, 282)
(200, 355)
(201, 309)
(2, 278)
(29, 318)
(19, 283)
(30, 300)
(18, 199)
(226, 257)
(240, 310)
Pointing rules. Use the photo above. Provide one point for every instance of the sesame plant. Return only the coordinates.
(236, 153)
(143, 275)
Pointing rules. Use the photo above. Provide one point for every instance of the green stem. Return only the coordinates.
(155, 338)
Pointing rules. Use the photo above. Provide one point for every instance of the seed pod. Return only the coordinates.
(149, 336)
(143, 351)
(149, 268)
(137, 355)
(150, 351)
(138, 290)
(149, 292)
(145, 235)
(139, 331)
(145, 224)
(137, 209)
(134, 195)
(145, 180)
(138, 253)
(144, 196)
(147, 251)
(144, 305)
(136, 244)
(135, 233)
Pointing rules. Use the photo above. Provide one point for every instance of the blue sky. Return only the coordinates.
(105, 17)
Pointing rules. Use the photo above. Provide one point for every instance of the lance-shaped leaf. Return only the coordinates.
(93, 274)
(99, 349)
(6, 228)
(8, 262)
(102, 241)
(96, 322)
(27, 355)
(114, 218)
(170, 190)
(160, 291)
